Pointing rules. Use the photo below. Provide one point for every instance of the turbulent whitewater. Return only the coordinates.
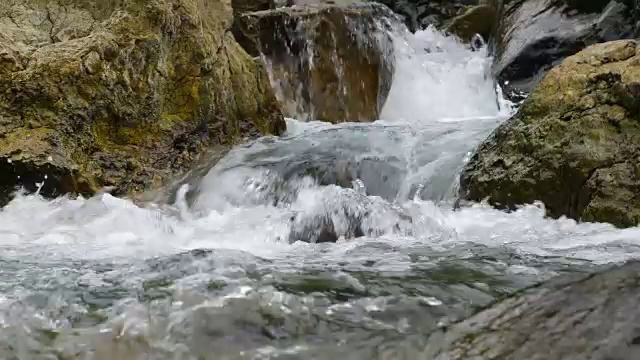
(221, 273)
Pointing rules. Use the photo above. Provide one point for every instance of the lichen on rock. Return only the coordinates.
(574, 144)
(121, 93)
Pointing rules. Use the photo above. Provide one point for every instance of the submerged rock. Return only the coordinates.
(121, 93)
(329, 62)
(591, 316)
(574, 144)
(419, 14)
(534, 35)
(339, 213)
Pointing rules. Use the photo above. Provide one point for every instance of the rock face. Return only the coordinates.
(121, 93)
(579, 317)
(329, 62)
(534, 35)
(574, 144)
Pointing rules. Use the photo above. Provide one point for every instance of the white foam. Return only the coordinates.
(445, 90)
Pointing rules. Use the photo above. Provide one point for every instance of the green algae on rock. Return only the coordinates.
(122, 93)
(574, 144)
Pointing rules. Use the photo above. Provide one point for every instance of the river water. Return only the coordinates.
(223, 275)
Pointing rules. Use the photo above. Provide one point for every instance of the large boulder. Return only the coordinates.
(121, 93)
(479, 19)
(328, 62)
(532, 36)
(574, 144)
(593, 316)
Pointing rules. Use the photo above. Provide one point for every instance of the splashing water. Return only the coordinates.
(225, 274)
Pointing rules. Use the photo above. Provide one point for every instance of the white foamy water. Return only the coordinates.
(64, 259)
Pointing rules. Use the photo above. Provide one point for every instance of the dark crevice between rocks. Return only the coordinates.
(24, 175)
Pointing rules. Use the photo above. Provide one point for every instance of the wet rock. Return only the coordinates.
(243, 6)
(479, 19)
(347, 214)
(419, 14)
(591, 316)
(532, 36)
(121, 93)
(328, 62)
(317, 2)
(574, 144)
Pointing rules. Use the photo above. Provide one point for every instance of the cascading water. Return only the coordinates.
(225, 277)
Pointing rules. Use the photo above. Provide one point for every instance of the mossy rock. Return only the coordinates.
(125, 93)
(574, 144)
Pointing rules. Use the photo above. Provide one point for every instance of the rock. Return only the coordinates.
(419, 14)
(479, 19)
(243, 6)
(532, 36)
(326, 2)
(121, 93)
(348, 214)
(574, 144)
(329, 62)
(592, 316)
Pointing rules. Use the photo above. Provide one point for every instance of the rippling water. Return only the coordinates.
(222, 273)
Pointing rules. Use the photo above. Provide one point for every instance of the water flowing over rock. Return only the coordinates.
(419, 14)
(327, 62)
(534, 35)
(243, 6)
(479, 19)
(347, 214)
(574, 144)
(591, 316)
(121, 93)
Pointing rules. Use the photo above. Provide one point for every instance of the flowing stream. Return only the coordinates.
(222, 273)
